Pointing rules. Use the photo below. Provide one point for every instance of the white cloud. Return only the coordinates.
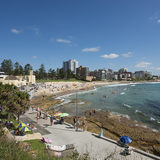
(63, 41)
(158, 20)
(34, 57)
(143, 64)
(110, 56)
(15, 31)
(94, 49)
(127, 55)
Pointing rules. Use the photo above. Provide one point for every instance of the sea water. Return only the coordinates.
(138, 102)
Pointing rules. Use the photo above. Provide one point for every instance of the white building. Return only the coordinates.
(70, 65)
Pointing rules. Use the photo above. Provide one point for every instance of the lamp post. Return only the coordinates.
(76, 105)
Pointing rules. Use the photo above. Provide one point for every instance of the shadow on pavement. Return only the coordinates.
(97, 136)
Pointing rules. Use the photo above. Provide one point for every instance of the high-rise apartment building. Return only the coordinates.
(70, 65)
(82, 71)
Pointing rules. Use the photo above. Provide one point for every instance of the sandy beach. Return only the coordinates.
(62, 88)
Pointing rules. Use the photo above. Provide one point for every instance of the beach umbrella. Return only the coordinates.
(64, 115)
(57, 114)
(125, 139)
(25, 129)
(22, 124)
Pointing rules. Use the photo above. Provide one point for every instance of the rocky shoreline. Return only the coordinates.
(113, 126)
(116, 126)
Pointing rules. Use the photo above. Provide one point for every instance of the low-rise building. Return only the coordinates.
(89, 78)
(155, 77)
(18, 80)
(125, 76)
(99, 74)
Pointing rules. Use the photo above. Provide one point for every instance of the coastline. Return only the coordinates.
(89, 86)
(113, 127)
(86, 87)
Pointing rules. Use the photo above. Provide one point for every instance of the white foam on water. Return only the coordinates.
(134, 83)
(126, 116)
(122, 93)
(64, 96)
(81, 103)
(152, 119)
(125, 89)
(152, 83)
(121, 115)
(137, 111)
(87, 91)
(116, 85)
(126, 105)
(63, 103)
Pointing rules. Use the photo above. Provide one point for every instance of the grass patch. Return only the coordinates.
(12, 151)
(59, 80)
(36, 145)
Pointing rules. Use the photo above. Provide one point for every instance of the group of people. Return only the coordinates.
(52, 118)
(79, 123)
(40, 113)
(45, 115)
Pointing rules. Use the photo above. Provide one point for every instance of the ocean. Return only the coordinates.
(138, 102)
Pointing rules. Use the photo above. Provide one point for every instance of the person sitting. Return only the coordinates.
(31, 126)
(128, 150)
(61, 120)
(16, 132)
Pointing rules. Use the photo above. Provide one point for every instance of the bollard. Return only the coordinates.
(101, 133)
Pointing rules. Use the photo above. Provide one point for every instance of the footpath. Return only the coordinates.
(84, 142)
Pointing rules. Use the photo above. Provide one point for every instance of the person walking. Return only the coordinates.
(74, 122)
(83, 125)
(40, 113)
(51, 120)
(37, 116)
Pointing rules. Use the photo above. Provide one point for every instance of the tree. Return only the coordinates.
(13, 100)
(42, 72)
(7, 66)
(61, 74)
(27, 68)
(51, 73)
(22, 103)
(16, 69)
(69, 74)
(21, 72)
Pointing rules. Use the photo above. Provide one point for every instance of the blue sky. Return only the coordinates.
(97, 33)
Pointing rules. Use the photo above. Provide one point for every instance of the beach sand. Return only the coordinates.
(63, 88)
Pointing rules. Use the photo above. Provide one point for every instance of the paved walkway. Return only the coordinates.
(85, 142)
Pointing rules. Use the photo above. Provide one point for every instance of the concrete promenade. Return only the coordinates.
(85, 142)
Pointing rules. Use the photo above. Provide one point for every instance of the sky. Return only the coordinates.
(97, 33)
